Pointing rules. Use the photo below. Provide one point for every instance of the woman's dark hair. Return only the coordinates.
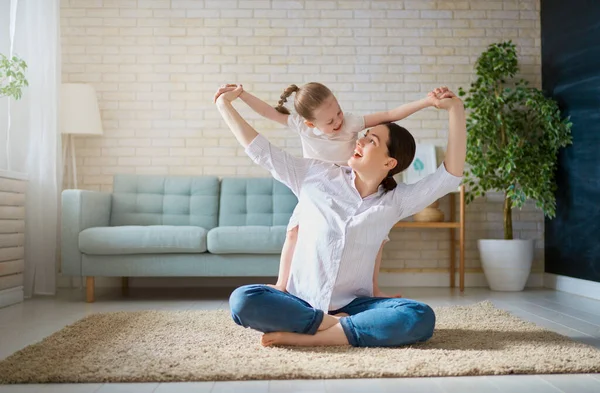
(401, 146)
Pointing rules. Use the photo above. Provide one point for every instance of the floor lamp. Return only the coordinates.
(79, 115)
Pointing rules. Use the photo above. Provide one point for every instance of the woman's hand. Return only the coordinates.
(229, 92)
(433, 98)
(442, 98)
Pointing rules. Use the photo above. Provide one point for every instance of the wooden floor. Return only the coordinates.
(573, 316)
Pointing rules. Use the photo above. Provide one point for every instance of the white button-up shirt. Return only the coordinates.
(340, 232)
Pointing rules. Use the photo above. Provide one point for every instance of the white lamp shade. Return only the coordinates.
(79, 112)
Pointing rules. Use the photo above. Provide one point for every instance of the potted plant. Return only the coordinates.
(514, 134)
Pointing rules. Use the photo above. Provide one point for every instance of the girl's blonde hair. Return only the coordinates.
(308, 98)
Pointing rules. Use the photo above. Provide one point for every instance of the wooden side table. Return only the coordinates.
(453, 224)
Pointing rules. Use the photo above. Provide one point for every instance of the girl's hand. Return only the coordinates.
(432, 96)
(442, 98)
(230, 92)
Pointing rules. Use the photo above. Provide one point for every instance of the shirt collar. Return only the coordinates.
(348, 172)
(317, 132)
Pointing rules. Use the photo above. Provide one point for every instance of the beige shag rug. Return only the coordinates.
(169, 346)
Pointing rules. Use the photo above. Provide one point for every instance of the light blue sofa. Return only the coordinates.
(175, 226)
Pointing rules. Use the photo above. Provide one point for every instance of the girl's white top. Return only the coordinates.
(340, 233)
(335, 148)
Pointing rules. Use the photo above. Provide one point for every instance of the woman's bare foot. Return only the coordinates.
(332, 336)
(269, 339)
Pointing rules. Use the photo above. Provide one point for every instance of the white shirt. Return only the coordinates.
(336, 148)
(340, 233)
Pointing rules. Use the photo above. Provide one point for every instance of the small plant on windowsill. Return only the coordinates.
(514, 134)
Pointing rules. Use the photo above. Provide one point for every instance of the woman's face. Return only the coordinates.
(371, 152)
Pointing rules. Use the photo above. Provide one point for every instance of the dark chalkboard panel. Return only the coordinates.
(571, 74)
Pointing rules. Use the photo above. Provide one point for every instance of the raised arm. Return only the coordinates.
(284, 167)
(456, 151)
(403, 111)
(396, 114)
(256, 104)
(264, 109)
(242, 131)
(412, 198)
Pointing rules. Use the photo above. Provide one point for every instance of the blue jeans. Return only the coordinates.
(372, 322)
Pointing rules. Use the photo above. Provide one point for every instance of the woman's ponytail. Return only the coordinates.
(389, 183)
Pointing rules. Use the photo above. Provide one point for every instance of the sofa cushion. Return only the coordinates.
(161, 239)
(255, 201)
(165, 200)
(246, 239)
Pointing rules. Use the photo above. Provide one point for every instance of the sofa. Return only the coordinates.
(175, 226)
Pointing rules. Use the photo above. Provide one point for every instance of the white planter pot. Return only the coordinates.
(506, 263)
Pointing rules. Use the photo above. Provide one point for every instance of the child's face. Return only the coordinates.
(329, 117)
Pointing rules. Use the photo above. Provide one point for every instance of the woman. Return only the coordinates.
(346, 213)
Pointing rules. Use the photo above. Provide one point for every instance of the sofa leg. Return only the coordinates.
(125, 285)
(89, 289)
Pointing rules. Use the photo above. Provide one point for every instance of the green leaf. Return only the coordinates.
(12, 76)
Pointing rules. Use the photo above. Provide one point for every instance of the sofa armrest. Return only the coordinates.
(80, 210)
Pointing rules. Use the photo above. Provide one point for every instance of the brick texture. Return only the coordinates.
(157, 63)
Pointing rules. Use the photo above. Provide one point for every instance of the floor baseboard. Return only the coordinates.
(575, 286)
(11, 296)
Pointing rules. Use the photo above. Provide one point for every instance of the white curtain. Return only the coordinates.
(32, 133)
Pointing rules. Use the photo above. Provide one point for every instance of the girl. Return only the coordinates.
(327, 134)
(351, 208)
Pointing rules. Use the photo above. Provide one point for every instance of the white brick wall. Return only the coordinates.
(157, 63)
